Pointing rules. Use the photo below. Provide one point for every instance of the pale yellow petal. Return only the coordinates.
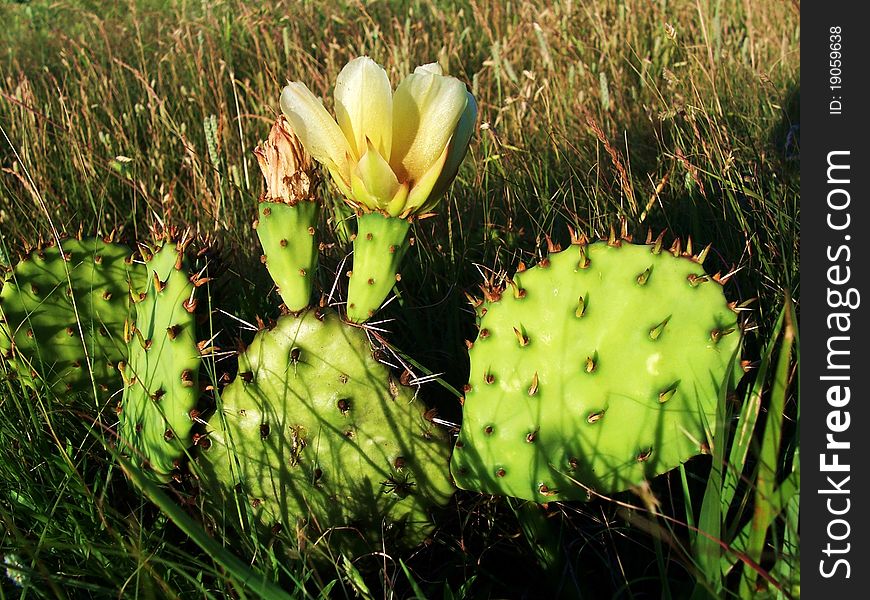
(338, 178)
(377, 178)
(396, 206)
(433, 68)
(359, 195)
(317, 130)
(364, 106)
(422, 189)
(426, 108)
(456, 150)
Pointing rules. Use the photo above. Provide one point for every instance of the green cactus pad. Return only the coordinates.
(600, 367)
(287, 235)
(161, 376)
(378, 249)
(62, 314)
(318, 439)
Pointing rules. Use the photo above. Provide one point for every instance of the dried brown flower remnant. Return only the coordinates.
(290, 172)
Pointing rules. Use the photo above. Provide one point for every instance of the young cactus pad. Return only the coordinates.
(287, 236)
(600, 367)
(62, 314)
(378, 248)
(288, 213)
(319, 439)
(161, 376)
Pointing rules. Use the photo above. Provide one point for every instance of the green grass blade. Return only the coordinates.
(687, 499)
(245, 577)
(765, 504)
(418, 591)
(747, 421)
(705, 547)
(785, 498)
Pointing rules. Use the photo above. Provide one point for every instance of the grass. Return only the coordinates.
(671, 115)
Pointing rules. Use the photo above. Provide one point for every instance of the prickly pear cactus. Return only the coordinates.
(62, 313)
(161, 377)
(320, 441)
(598, 368)
(288, 213)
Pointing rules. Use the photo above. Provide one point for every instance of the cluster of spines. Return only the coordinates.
(495, 286)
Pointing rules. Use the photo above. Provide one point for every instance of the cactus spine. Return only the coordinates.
(598, 368)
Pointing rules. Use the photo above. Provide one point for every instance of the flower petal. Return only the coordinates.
(317, 130)
(433, 68)
(426, 108)
(422, 190)
(338, 178)
(360, 196)
(376, 177)
(456, 150)
(364, 105)
(397, 204)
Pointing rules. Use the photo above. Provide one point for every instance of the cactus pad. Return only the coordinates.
(67, 330)
(600, 367)
(287, 235)
(378, 248)
(320, 441)
(161, 376)
(288, 213)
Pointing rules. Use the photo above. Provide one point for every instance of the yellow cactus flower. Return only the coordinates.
(389, 152)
